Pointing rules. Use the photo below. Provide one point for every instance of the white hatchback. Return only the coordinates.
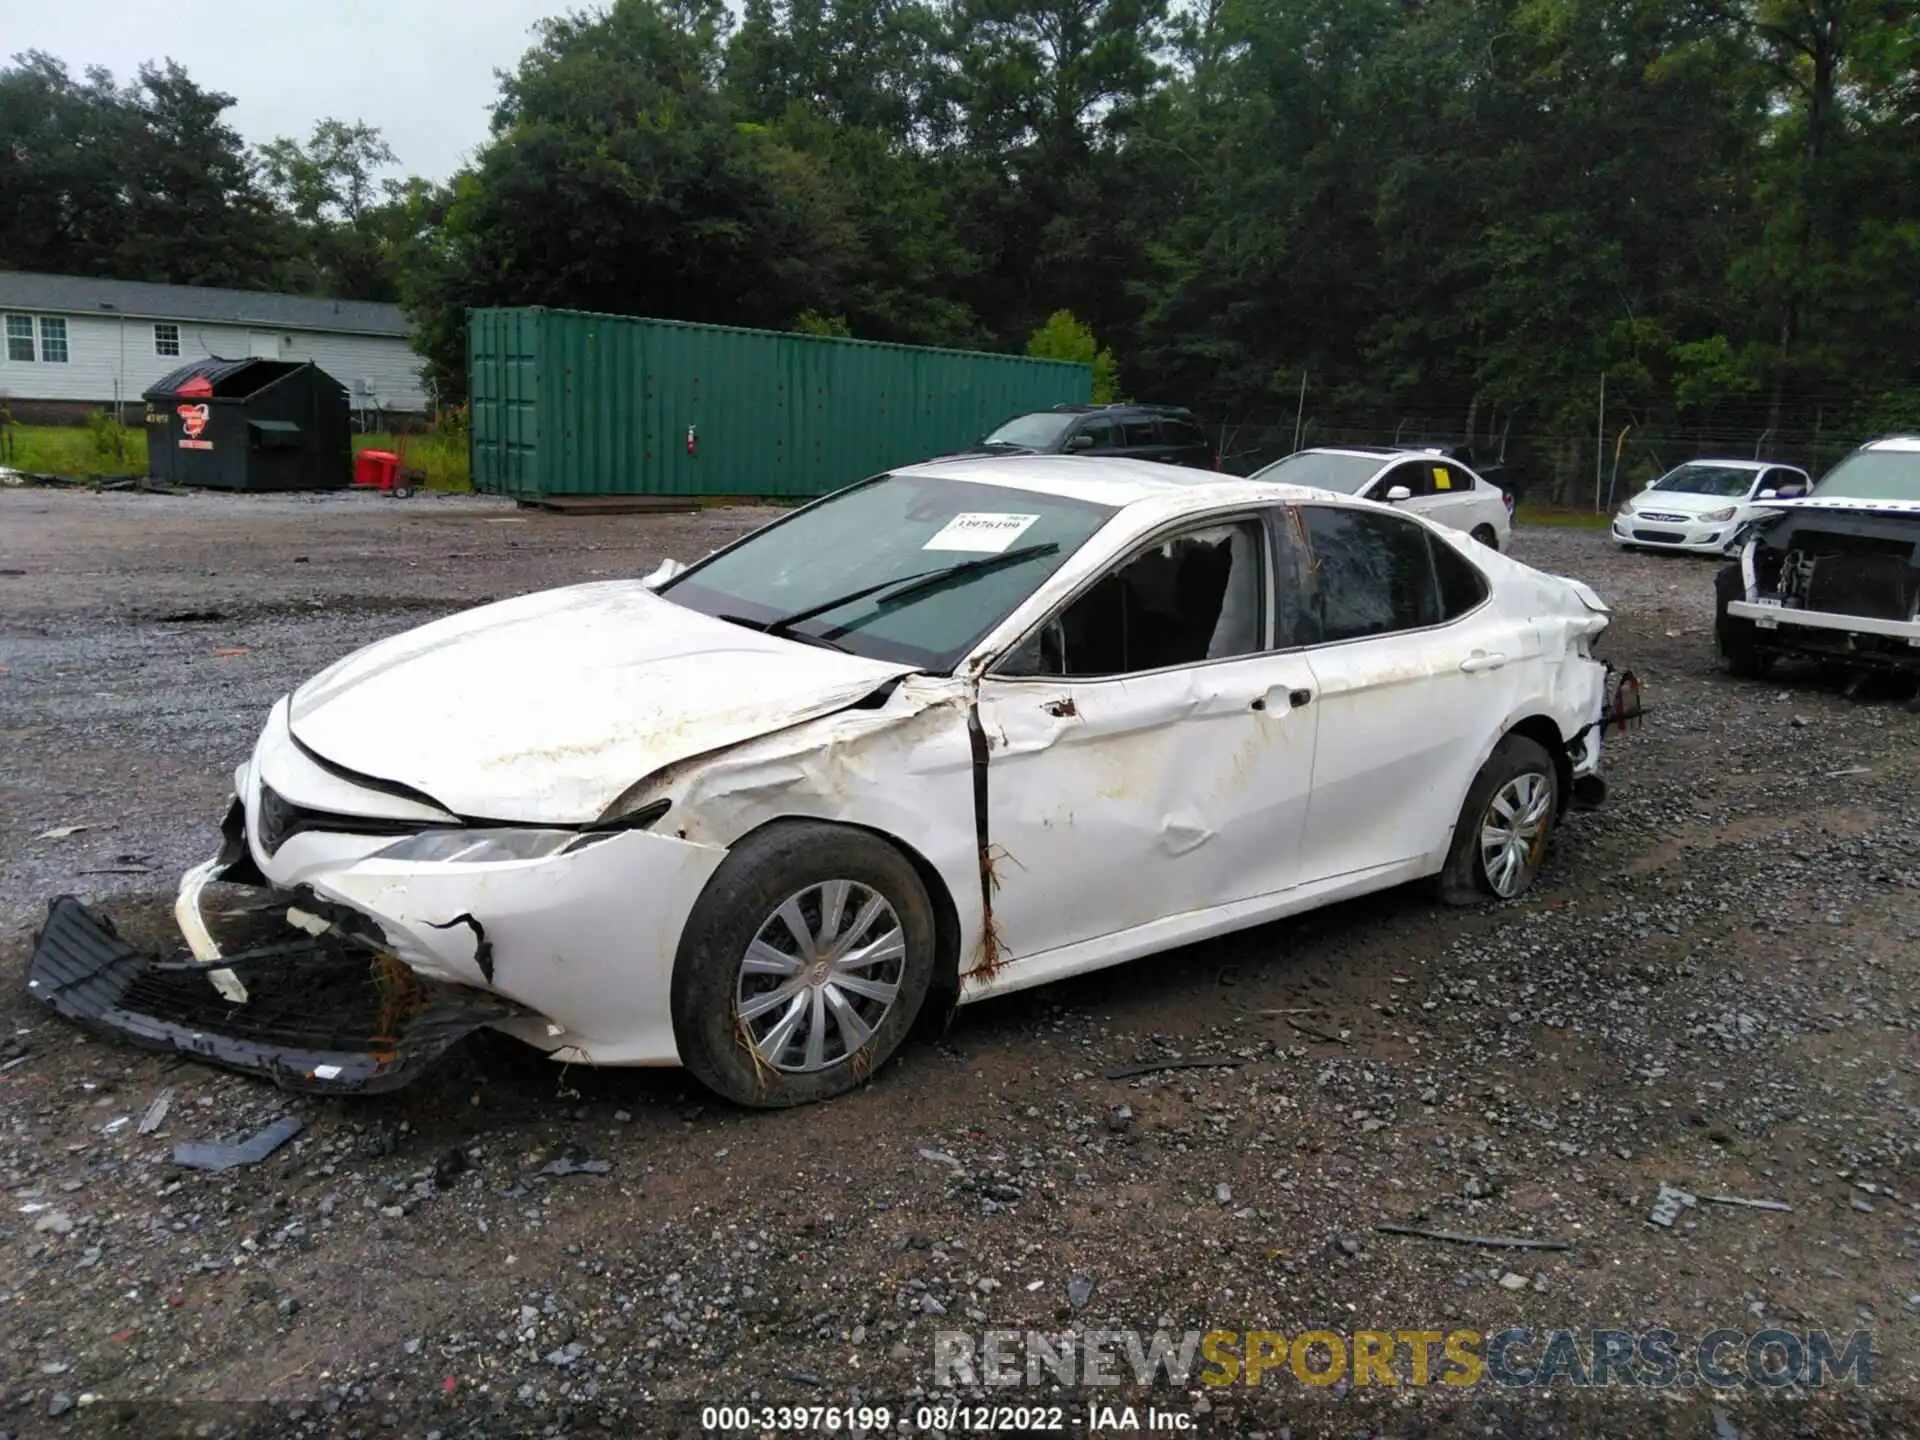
(1426, 483)
(956, 730)
(1700, 505)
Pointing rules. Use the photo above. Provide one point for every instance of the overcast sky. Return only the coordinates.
(421, 70)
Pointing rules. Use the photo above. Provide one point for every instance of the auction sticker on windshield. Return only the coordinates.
(983, 531)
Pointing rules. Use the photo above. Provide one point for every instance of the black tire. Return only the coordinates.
(403, 492)
(1466, 880)
(1486, 536)
(791, 860)
(1736, 641)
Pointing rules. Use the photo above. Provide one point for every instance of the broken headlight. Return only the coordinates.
(1714, 516)
(485, 847)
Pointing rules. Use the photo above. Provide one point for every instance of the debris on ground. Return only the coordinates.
(1744, 1203)
(1491, 1242)
(61, 832)
(217, 1155)
(1201, 1062)
(157, 1112)
(1668, 1204)
(572, 1165)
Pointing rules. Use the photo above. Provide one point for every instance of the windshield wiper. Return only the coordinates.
(819, 640)
(900, 588)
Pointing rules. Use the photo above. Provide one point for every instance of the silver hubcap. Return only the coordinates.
(820, 975)
(1514, 832)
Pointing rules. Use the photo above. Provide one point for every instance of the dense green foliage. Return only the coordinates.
(1447, 219)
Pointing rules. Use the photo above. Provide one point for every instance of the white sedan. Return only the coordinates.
(1426, 483)
(1701, 505)
(953, 731)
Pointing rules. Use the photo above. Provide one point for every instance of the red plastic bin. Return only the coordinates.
(379, 469)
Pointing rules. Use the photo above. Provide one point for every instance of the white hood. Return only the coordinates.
(1684, 502)
(1900, 509)
(545, 708)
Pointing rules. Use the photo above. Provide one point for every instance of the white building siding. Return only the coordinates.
(113, 360)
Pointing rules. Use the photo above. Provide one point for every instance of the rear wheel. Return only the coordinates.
(1501, 836)
(1735, 640)
(803, 966)
(1486, 536)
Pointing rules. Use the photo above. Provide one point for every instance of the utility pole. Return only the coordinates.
(1600, 444)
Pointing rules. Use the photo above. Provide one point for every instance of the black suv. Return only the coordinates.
(1165, 433)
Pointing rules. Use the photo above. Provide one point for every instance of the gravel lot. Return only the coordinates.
(1714, 985)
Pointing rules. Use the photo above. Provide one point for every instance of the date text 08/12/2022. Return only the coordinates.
(951, 1419)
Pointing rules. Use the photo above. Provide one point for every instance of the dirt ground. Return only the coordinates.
(1714, 985)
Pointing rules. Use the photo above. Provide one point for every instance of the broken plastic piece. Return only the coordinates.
(212, 1155)
(1491, 1242)
(1746, 1204)
(322, 1015)
(1668, 1204)
(567, 1165)
(157, 1112)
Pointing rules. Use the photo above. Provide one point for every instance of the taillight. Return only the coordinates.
(1216, 462)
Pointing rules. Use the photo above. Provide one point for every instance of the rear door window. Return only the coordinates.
(1355, 573)
(1142, 433)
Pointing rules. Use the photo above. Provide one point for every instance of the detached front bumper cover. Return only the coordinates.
(321, 1016)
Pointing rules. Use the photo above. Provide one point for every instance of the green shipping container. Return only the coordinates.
(568, 403)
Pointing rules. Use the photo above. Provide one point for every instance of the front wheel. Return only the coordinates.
(1501, 836)
(803, 966)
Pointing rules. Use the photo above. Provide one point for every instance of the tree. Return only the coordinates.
(145, 182)
(330, 186)
(1065, 338)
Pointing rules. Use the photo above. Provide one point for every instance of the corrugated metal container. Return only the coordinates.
(568, 403)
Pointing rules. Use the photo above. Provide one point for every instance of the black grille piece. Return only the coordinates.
(1877, 586)
(320, 1016)
(281, 820)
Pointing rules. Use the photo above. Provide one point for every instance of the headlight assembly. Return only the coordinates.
(1714, 516)
(484, 847)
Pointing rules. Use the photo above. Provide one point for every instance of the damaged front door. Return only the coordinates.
(1148, 756)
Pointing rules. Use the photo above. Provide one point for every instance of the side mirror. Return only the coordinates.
(1767, 495)
(1082, 441)
(1397, 494)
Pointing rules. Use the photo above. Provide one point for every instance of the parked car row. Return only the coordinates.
(1428, 482)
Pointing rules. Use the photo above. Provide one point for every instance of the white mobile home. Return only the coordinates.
(72, 344)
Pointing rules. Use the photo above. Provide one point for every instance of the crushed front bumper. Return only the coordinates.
(319, 1015)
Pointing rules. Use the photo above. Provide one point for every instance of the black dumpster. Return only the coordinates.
(250, 425)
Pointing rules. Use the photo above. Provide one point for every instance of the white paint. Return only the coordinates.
(985, 532)
(1125, 816)
(193, 926)
(547, 707)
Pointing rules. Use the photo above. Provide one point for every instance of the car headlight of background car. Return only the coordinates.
(1715, 516)
(480, 847)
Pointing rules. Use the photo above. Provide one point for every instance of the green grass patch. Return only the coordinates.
(76, 452)
(1566, 519)
(442, 454)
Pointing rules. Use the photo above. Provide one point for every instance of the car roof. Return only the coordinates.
(1113, 481)
(1737, 464)
(1375, 452)
(1907, 444)
(1180, 411)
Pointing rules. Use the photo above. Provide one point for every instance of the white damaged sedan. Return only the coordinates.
(957, 730)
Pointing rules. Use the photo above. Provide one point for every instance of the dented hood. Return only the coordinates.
(545, 708)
